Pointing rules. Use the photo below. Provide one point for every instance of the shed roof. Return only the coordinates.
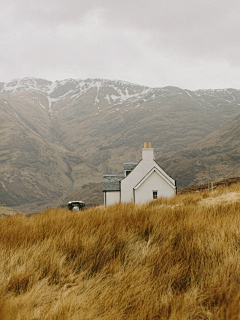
(129, 166)
(112, 182)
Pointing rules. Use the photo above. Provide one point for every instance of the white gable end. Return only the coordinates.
(154, 170)
(154, 183)
(143, 168)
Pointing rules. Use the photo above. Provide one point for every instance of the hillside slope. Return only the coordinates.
(215, 157)
(56, 137)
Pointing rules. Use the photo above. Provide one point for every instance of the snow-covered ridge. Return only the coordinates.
(122, 87)
(58, 90)
(19, 85)
(112, 93)
(107, 93)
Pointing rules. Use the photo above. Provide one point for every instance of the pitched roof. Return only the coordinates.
(164, 173)
(112, 182)
(127, 166)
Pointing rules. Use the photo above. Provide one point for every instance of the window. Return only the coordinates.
(155, 194)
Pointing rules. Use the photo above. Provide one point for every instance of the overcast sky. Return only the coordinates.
(190, 44)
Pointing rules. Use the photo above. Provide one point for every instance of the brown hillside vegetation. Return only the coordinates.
(203, 187)
(56, 138)
(214, 157)
(169, 259)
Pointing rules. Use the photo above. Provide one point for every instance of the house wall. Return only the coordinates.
(143, 167)
(111, 197)
(154, 182)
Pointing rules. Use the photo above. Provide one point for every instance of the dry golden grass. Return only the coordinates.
(169, 259)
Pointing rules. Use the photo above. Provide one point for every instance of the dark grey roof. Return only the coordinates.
(130, 165)
(112, 182)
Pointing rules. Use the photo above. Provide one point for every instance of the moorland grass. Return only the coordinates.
(169, 259)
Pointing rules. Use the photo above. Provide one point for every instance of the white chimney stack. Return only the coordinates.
(148, 152)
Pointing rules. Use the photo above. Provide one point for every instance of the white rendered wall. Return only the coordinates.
(138, 173)
(112, 197)
(154, 182)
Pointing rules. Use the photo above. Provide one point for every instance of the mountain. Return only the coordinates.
(59, 138)
(213, 158)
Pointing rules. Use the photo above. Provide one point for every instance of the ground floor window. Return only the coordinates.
(155, 194)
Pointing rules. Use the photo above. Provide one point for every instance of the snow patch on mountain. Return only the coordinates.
(19, 85)
(50, 105)
(51, 87)
(122, 90)
(116, 94)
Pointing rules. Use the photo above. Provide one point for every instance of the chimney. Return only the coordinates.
(148, 152)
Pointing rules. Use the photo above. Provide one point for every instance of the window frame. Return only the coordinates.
(155, 194)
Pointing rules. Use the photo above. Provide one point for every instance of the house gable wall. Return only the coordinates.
(154, 182)
(128, 183)
(140, 171)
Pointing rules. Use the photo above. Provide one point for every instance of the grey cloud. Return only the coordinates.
(192, 28)
(155, 42)
(51, 12)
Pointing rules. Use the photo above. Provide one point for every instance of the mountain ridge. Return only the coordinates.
(57, 137)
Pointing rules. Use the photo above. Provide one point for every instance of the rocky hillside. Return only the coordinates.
(56, 137)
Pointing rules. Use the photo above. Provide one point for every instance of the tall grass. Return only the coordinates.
(169, 259)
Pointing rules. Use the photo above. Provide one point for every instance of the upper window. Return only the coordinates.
(155, 194)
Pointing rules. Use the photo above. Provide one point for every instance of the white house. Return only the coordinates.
(141, 181)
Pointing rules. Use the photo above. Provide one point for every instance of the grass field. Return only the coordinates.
(168, 259)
